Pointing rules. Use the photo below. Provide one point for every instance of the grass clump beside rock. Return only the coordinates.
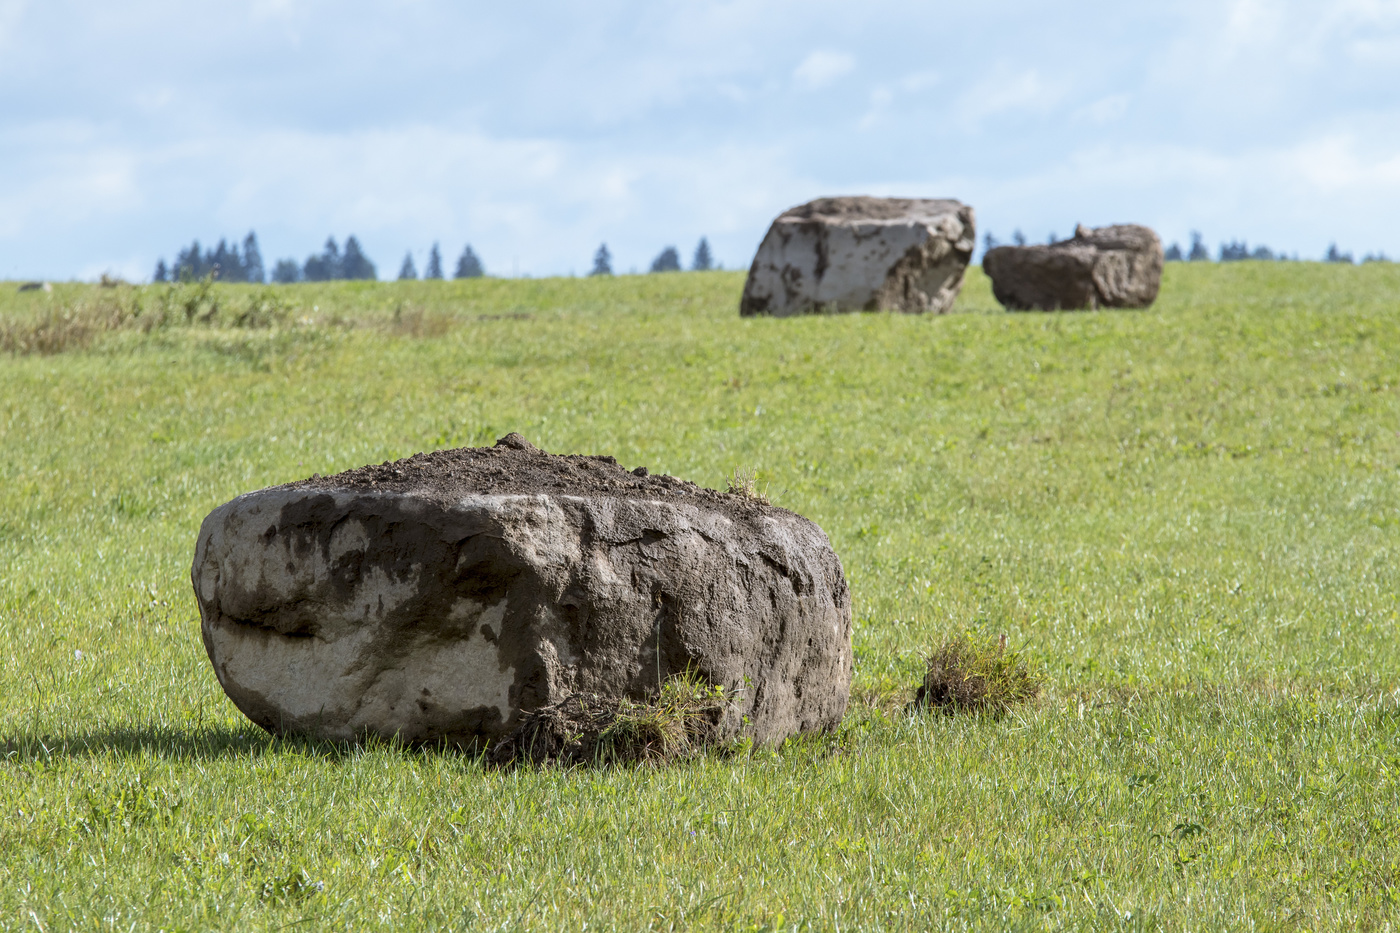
(744, 482)
(969, 674)
(586, 729)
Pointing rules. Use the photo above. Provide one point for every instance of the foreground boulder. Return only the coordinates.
(1108, 267)
(444, 597)
(862, 254)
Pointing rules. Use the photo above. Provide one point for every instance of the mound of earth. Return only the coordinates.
(445, 597)
(862, 254)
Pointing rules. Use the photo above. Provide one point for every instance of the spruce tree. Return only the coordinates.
(468, 265)
(252, 260)
(1198, 253)
(668, 261)
(1336, 255)
(1173, 253)
(225, 263)
(286, 272)
(325, 267)
(433, 270)
(702, 262)
(602, 261)
(408, 270)
(190, 264)
(355, 264)
(162, 274)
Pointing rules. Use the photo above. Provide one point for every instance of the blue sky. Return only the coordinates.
(536, 130)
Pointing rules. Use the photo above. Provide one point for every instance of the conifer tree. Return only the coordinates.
(252, 260)
(326, 266)
(190, 264)
(668, 261)
(602, 261)
(1198, 253)
(433, 270)
(702, 262)
(225, 263)
(286, 272)
(408, 270)
(468, 265)
(162, 274)
(355, 264)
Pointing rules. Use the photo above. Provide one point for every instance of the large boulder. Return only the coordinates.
(862, 254)
(1107, 267)
(443, 597)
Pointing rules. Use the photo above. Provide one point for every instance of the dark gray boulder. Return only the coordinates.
(1107, 267)
(442, 597)
(862, 254)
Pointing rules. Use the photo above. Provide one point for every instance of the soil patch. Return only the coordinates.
(514, 466)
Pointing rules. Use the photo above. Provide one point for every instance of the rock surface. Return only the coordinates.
(1108, 267)
(442, 597)
(862, 254)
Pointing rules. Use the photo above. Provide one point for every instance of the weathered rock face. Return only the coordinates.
(1109, 267)
(441, 597)
(862, 254)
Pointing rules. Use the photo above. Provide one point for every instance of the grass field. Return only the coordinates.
(1190, 516)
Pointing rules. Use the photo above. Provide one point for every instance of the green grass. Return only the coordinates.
(1188, 517)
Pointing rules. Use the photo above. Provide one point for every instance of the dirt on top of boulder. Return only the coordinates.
(514, 466)
(863, 207)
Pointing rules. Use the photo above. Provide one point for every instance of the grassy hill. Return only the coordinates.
(1190, 516)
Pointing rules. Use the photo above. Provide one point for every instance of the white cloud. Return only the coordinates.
(1104, 110)
(822, 68)
(1008, 90)
(11, 12)
(131, 128)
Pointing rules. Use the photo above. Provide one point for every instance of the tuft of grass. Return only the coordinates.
(419, 322)
(587, 729)
(744, 482)
(969, 674)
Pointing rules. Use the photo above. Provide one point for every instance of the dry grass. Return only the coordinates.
(75, 324)
(409, 321)
(744, 482)
(585, 729)
(970, 675)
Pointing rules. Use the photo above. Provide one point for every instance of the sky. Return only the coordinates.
(537, 130)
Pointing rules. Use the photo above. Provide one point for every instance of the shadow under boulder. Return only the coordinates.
(1107, 267)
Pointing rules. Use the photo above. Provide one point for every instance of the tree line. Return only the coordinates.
(668, 260)
(1239, 251)
(333, 263)
(230, 264)
(1234, 251)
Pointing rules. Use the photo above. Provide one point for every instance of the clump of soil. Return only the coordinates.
(584, 729)
(515, 466)
(967, 675)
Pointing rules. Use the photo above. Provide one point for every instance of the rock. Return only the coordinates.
(862, 254)
(1109, 267)
(442, 597)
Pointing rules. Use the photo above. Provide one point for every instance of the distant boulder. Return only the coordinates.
(1107, 267)
(862, 254)
(35, 286)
